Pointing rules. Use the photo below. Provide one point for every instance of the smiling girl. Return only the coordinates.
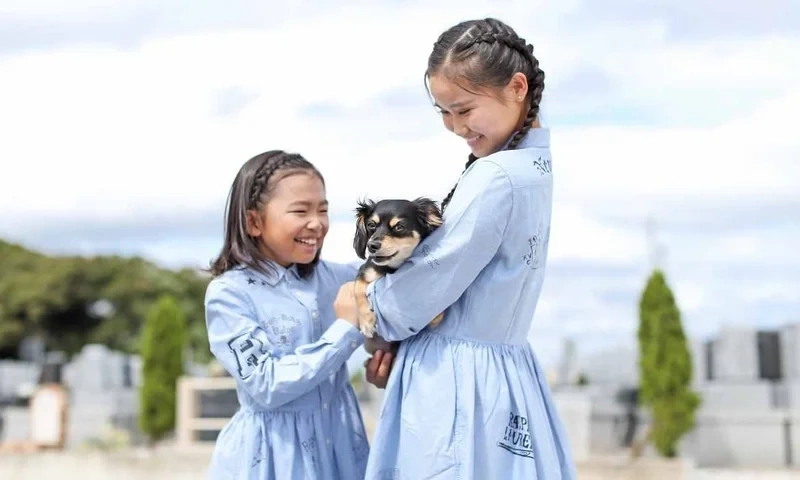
(468, 399)
(271, 324)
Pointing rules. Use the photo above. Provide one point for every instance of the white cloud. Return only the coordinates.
(576, 235)
(646, 162)
(149, 111)
(770, 291)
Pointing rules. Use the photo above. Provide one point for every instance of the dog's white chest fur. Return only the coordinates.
(370, 275)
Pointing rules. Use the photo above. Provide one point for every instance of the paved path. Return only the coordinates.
(718, 474)
(588, 474)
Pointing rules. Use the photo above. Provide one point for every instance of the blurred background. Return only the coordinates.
(123, 124)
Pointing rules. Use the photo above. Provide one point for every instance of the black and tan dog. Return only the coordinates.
(387, 232)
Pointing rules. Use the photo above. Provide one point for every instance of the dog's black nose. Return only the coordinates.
(374, 246)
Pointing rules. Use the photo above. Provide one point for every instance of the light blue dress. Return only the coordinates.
(279, 338)
(468, 399)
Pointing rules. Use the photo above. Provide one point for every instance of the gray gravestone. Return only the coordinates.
(698, 352)
(736, 355)
(566, 371)
(790, 355)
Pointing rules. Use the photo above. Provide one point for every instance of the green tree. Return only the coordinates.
(163, 342)
(665, 367)
(55, 298)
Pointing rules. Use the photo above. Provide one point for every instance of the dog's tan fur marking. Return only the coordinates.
(375, 219)
(435, 220)
(393, 222)
(403, 245)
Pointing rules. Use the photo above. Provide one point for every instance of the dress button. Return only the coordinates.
(314, 314)
(328, 441)
(353, 344)
(325, 406)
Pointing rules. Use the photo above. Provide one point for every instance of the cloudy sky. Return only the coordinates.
(124, 123)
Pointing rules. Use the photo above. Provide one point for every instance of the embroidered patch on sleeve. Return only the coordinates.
(248, 352)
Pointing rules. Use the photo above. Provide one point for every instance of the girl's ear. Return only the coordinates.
(254, 225)
(517, 87)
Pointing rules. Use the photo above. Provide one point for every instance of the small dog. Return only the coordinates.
(387, 232)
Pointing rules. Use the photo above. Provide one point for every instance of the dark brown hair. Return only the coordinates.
(487, 53)
(251, 190)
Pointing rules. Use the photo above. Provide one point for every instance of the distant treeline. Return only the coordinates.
(70, 301)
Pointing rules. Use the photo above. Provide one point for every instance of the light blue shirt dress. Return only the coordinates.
(468, 399)
(278, 336)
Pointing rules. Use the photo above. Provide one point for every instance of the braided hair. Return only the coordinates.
(251, 190)
(487, 53)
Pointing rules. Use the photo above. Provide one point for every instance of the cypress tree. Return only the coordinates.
(163, 342)
(665, 367)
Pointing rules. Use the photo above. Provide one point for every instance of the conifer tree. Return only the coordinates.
(665, 367)
(163, 342)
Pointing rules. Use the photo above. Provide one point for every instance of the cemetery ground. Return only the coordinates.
(114, 454)
(167, 462)
(105, 396)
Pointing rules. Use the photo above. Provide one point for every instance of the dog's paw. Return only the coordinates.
(368, 330)
(436, 320)
(367, 324)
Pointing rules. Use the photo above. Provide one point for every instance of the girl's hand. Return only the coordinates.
(345, 304)
(378, 368)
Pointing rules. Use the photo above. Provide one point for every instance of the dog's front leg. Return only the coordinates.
(366, 317)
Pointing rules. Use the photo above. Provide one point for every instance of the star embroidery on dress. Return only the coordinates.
(250, 281)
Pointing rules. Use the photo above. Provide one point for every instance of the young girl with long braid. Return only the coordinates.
(468, 399)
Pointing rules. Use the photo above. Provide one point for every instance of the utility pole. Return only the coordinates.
(656, 250)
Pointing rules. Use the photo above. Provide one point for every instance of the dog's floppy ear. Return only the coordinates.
(428, 213)
(363, 211)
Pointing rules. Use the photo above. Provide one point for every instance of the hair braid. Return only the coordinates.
(446, 201)
(504, 54)
(264, 175)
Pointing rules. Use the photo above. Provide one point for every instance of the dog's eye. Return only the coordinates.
(370, 225)
(399, 227)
